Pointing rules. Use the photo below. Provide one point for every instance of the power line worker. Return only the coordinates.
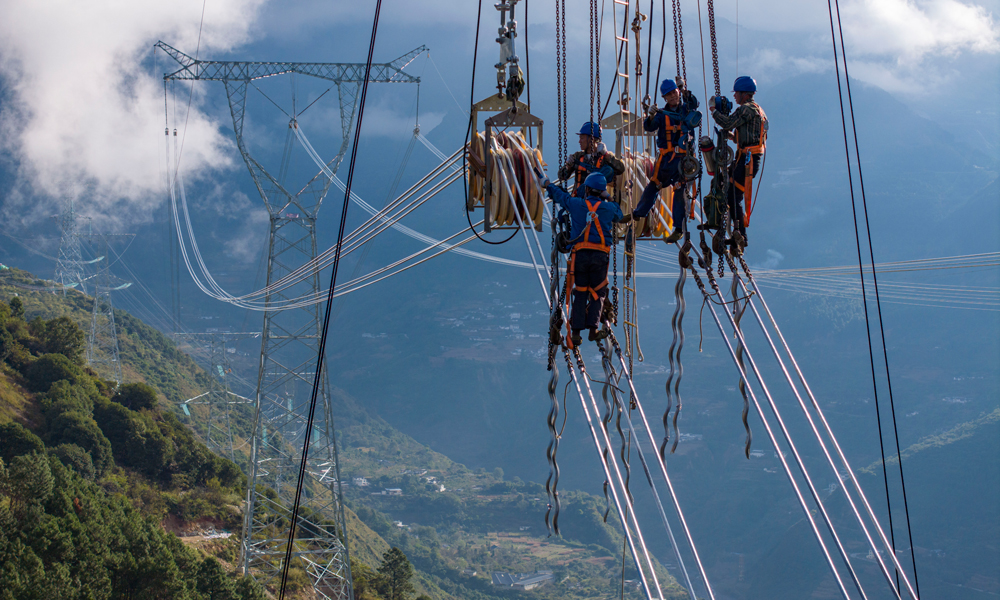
(591, 218)
(747, 126)
(674, 126)
(593, 157)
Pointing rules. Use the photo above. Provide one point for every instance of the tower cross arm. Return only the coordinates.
(211, 70)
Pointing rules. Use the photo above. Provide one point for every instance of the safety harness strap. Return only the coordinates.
(581, 170)
(593, 221)
(593, 290)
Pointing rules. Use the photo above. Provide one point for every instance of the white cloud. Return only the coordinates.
(910, 47)
(84, 115)
(771, 63)
(772, 261)
(906, 31)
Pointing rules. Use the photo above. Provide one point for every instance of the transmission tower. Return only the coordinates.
(102, 343)
(219, 399)
(69, 264)
(290, 342)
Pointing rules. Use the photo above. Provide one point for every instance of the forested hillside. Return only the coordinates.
(98, 486)
(88, 473)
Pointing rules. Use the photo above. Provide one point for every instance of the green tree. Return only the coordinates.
(50, 368)
(15, 440)
(364, 579)
(213, 583)
(248, 589)
(16, 308)
(75, 458)
(76, 428)
(136, 441)
(395, 573)
(61, 336)
(136, 396)
(28, 481)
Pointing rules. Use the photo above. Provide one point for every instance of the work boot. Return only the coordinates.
(597, 335)
(675, 236)
(576, 339)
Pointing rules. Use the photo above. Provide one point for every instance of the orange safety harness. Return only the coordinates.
(746, 153)
(671, 149)
(586, 244)
(582, 172)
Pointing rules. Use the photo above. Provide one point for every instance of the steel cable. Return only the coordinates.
(321, 353)
(878, 304)
(846, 467)
(785, 434)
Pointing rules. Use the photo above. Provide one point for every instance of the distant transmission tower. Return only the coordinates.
(219, 399)
(290, 341)
(69, 264)
(102, 343)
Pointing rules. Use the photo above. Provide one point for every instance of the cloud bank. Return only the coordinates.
(902, 46)
(83, 113)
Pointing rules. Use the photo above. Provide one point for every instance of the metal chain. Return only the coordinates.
(715, 47)
(593, 45)
(677, 46)
(560, 126)
(680, 34)
(562, 74)
(597, 60)
(614, 285)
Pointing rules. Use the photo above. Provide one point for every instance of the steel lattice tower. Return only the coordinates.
(102, 343)
(69, 264)
(290, 342)
(219, 399)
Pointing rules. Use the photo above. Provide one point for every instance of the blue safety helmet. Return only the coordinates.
(667, 86)
(596, 181)
(591, 129)
(745, 84)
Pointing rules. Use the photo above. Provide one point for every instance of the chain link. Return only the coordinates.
(593, 39)
(680, 34)
(562, 75)
(597, 60)
(677, 44)
(560, 130)
(715, 46)
(614, 285)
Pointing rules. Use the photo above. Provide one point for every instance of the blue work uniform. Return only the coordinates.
(673, 140)
(590, 230)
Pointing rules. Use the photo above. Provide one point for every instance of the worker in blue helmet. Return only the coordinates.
(593, 157)
(591, 218)
(747, 126)
(674, 125)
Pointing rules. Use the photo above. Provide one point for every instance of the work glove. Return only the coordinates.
(652, 110)
(601, 148)
(543, 181)
(711, 103)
